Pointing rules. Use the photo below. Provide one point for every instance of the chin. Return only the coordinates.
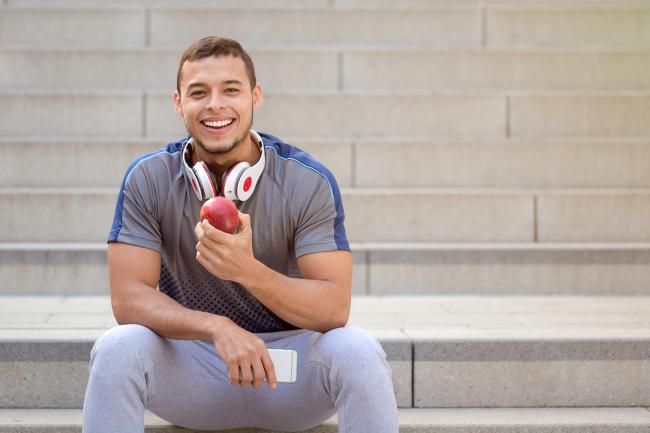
(217, 148)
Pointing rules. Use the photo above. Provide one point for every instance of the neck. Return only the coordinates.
(248, 150)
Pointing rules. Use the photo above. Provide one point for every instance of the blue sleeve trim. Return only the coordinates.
(170, 149)
(288, 152)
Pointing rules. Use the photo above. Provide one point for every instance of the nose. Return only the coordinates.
(215, 102)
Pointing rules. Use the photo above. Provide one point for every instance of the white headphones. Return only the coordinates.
(238, 183)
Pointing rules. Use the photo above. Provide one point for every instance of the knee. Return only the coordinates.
(121, 346)
(352, 345)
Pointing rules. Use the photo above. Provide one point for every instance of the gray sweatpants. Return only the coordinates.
(184, 382)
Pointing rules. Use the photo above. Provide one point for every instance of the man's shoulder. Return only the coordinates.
(294, 162)
(160, 162)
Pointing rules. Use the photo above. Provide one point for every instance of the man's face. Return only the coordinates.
(216, 102)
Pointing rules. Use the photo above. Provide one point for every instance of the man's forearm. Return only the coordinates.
(305, 303)
(165, 316)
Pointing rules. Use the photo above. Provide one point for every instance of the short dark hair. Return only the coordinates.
(216, 46)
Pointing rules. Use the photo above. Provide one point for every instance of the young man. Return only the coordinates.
(189, 351)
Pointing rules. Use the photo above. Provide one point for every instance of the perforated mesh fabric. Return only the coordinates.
(225, 298)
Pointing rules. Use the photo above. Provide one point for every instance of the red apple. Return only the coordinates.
(221, 213)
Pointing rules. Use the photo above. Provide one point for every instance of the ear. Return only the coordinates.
(176, 97)
(257, 96)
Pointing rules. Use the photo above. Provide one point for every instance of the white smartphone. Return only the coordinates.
(285, 363)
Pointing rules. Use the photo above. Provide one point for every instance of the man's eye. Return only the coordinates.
(197, 93)
(232, 90)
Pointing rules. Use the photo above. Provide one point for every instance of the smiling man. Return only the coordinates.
(198, 308)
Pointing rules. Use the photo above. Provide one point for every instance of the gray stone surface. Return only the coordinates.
(321, 26)
(521, 420)
(93, 162)
(52, 384)
(63, 114)
(460, 357)
(567, 27)
(72, 215)
(432, 215)
(455, 270)
(123, 26)
(86, 215)
(507, 163)
(96, 68)
(496, 69)
(351, 114)
(617, 216)
(530, 383)
(382, 269)
(54, 270)
(580, 115)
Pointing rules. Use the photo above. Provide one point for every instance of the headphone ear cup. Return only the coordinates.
(230, 180)
(203, 175)
(246, 184)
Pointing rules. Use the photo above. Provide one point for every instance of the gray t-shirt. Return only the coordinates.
(296, 209)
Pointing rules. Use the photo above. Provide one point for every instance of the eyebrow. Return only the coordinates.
(227, 82)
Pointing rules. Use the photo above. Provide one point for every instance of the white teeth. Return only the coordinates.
(217, 124)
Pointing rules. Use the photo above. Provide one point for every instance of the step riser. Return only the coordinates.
(156, 70)
(567, 28)
(548, 375)
(526, 116)
(503, 27)
(438, 28)
(346, 70)
(447, 374)
(384, 273)
(85, 272)
(375, 164)
(85, 164)
(406, 217)
(62, 384)
(427, 217)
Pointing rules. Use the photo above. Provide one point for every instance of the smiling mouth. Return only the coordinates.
(217, 124)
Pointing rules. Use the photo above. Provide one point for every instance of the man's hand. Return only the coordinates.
(243, 352)
(226, 256)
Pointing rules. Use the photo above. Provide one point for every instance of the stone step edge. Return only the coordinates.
(80, 92)
(30, 338)
(331, 48)
(377, 246)
(335, 5)
(451, 140)
(347, 47)
(283, 6)
(370, 191)
(469, 419)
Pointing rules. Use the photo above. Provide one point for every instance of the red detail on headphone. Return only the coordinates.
(194, 185)
(247, 183)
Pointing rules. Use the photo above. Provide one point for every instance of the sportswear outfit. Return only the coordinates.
(296, 209)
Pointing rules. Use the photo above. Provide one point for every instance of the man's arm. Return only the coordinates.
(133, 274)
(319, 301)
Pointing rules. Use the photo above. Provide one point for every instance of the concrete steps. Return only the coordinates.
(409, 215)
(445, 351)
(336, 68)
(345, 114)
(491, 24)
(382, 269)
(565, 420)
(382, 162)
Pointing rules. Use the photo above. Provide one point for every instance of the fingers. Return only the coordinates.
(212, 233)
(233, 373)
(269, 369)
(258, 373)
(246, 374)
